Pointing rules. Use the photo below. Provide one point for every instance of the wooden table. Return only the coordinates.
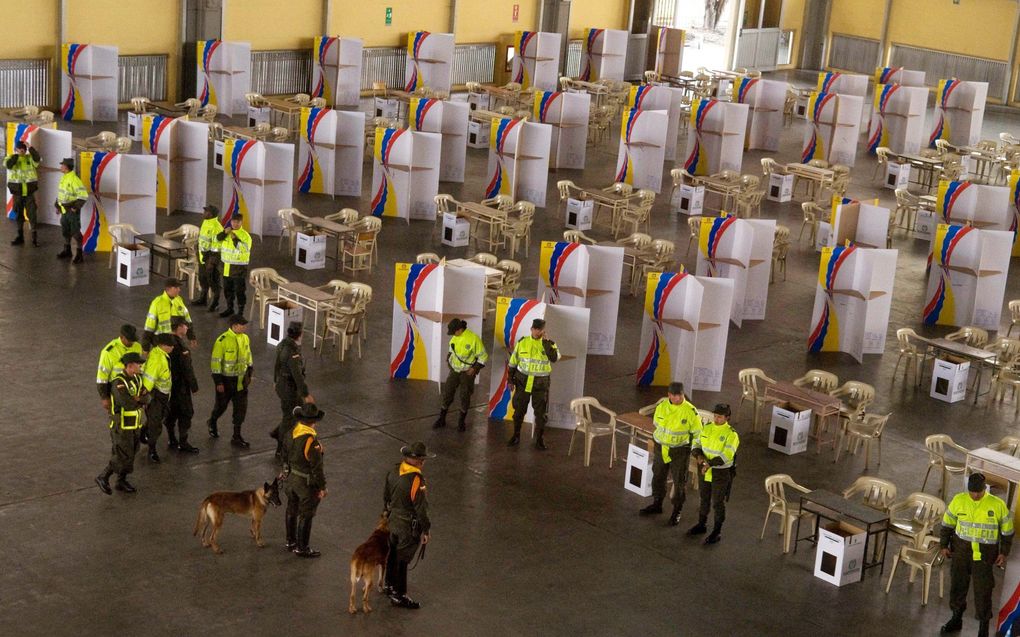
(986, 162)
(831, 506)
(927, 169)
(641, 426)
(822, 405)
(726, 188)
(492, 218)
(309, 298)
(615, 202)
(821, 176)
(167, 250)
(284, 112)
(499, 94)
(493, 276)
(330, 229)
(981, 358)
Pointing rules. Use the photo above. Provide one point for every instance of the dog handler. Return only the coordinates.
(306, 482)
(289, 381)
(127, 401)
(408, 507)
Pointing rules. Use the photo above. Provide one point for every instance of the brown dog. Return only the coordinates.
(368, 559)
(251, 503)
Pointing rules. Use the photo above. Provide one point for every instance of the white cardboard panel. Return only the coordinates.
(641, 155)
(712, 333)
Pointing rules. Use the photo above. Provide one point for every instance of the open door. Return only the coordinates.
(555, 18)
(814, 34)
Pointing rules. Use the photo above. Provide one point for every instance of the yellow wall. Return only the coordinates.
(135, 27)
(485, 21)
(597, 14)
(34, 37)
(981, 29)
(862, 18)
(366, 19)
(275, 24)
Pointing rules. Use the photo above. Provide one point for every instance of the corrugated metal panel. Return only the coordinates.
(24, 82)
(383, 64)
(850, 53)
(574, 52)
(941, 65)
(141, 76)
(473, 63)
(281, 72)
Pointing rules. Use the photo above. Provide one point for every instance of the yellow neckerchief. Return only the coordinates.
(301, 429)
(407, 468)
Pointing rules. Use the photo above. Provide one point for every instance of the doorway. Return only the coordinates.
(555, 18)
(813, 35)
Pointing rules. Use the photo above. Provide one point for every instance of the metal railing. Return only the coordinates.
(24, 82)
(141, 76)
(939, 65)
(851, 53)
(281, 72)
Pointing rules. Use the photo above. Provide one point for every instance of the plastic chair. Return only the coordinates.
(484, 258)
(812, 212)
(916, 516)
(1014, 315)
(679, 177)
(818, 380)
(187, 269)
(121, 234)
(289, 217)
(907, 206)
(768, 166)
(780, 250)
(909, 350)
(1006, 377)
(369, 224)
(925, 559)
(427, 257)
(577, 236)
(788, 511)
(938, 445)
(882, 155)
(346, 216)
(857, 432)
(342, 329)
(358, 253)
(752, 389)
(518, 231)
(183, 232)
(563, 187)
(263, 280)
(582, 409)
(872, 492)
(1009, 445)
(694, 227)
(856, 396)
(973, 336)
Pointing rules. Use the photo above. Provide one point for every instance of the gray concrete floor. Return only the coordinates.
(523, 543)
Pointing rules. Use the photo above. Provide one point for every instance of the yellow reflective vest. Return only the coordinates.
(231, 357)
(235, 249)
(161, 310)
(465, 351)
(529, 358)
(109, 360)
(978, 521)
(23, 169)
(207, 237)
(156, 372)
(70, 189)
(676, 425)
(718, 441)
(129, 418)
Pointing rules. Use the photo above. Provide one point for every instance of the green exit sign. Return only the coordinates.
(389, 16)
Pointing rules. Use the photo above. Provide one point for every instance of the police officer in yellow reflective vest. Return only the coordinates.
(977, 532)
(530, 367)
(128, 398)
(158, 381)
(467, 356)
(109, 360)
(232, 368)
(677, 425)
(209, 258)
(71, 196)
(23, 182)
(715, 450)
(235, 252)
(164, 307)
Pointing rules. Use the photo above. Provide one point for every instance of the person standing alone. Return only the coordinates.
(23, 182)
(71, 197)
(467, 356)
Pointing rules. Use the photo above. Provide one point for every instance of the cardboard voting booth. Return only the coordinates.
(852, 301)
(835, 127)
(949, 380)
(405, 174)
(959, 112)
(122, 189)
(715, 141)
(897, 120)
(280, 314)
(648, 97)
(53, 145)
(789, 430)
(641, 156)
(584, 276)
(566, 325)
(567, 113)
(258, 180)
(425, 298)
(684, 330)
(336, 70)
(669, 51)
(843, 83)
(224, 75)
(519, 160)
(839, 557)
(765, 99)
(967, 277)
(331, 150)
(739, 250)
(604, 55)
(310, 251)
(984, 207)
(449, 119)
(689, 199)
(579, 213)
(862, 224)
(181, 148)
(88, 82)
(638, 477)
(536, 60)
(898, 75)
(456, 231)
(133, 262)
(429, 61)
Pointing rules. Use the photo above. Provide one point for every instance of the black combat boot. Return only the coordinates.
(215, 305)
(955, 623)
(715, 535)
(185, 446)
(214, 432)
(65, 253)
(124, 485)
(674, 518)
(201, 298)
(516, 438)
(304, 536)
(983, 629)
(237, 440)
(227, 312)
(462, 423)
(440, 420)
(699, 528)
(103, 480)
(19, 240)
(171, 440)
(153, 454)
(291, 522)
(654, 508)
(78, 258)
(35, 239)
(540, 442)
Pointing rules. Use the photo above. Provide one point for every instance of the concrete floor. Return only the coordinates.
(524, 543)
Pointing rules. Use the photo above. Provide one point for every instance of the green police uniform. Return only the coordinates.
(406, 501)
(157, 380)
(71, 196)
(232, 366)
(304, 482)
(530, 367)
(127, 414)
(209, 261)
(235, 253)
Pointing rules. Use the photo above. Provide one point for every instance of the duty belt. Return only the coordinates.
(300, 474)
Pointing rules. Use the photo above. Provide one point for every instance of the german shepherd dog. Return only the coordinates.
(251, 503)
(369, 559)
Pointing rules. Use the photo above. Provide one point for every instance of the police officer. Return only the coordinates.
(209, 258)
(158, 382)
(289, 381)
(407, 504)
(530, 367)
(715, 450)
(183, 385)
(127, 400)
(109, 360)
(306, 481)
(677, 425)
(977, 533)
(235, 253)
(467, 357)
(232, 368)
(23, 182)
(164, 307)
(71, 196)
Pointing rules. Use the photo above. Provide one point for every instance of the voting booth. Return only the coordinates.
(181, 148)
(258, 180)
(405, 174)
(765, 99)
(739, 250)
(567, 114)
(536, 60)
(897, 120)
(224, 75)
(122, 189)
(959, 112)
(429, 61)
(519, 160)
(53, 145)
(331, 149)
(336, 70)
(651, 97)
(88, 82)
(604, 55)
(669, 51)
(450, 120)
(715, 140)
(641, 156)
(835, 122)
(967, 277)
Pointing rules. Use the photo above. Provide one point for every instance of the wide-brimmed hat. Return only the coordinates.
(308, 412)
(416, 450)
